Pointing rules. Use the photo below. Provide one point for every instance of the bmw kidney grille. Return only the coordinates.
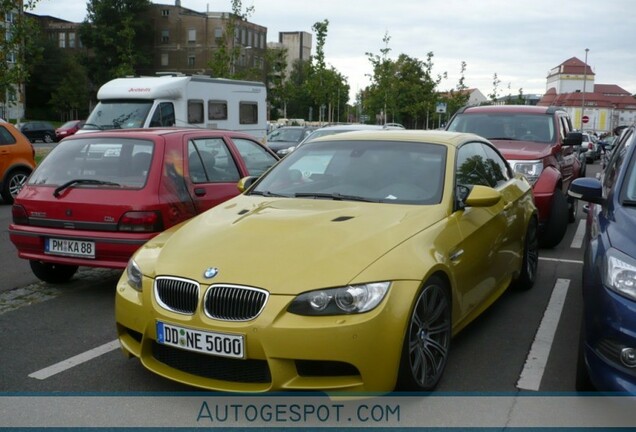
(234, 303)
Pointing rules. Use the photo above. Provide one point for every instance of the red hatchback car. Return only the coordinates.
(98, 196)
(68, 129)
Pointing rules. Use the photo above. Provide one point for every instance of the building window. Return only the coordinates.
(165, 12)
(248, 113)
(191, 60)
(192, 35)
(217, 110)
(195, 111)
(10, 17)
(61, 40)
(165, 36)
(218, 33)
(71, 40)
(10, 57)
(164, 59)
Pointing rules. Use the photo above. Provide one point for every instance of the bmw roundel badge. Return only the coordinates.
(210, 272)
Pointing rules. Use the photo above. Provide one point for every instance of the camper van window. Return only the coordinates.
(195, 111)
(248, 113)
(163, 116)
(217, 110)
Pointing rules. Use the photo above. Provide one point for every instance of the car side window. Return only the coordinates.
(494, 162)
(210, 161)
(256, 158)
(6, 137)
(474, 168)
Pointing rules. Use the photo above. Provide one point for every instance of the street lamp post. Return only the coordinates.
(584, 84)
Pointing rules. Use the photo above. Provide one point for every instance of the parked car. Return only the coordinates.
(17, 161)
(607, 343)
(38, 131)
(284, 139)
(364, 254)
(98, 196)
(68, 129)
(537, 141)
(342, 128)
(590, 147)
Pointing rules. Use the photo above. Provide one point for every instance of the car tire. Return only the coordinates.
(582, 383)
(427, 339)
(557, 222)
(12, 185)
(52, 273)
(530, 262)
(48, 138)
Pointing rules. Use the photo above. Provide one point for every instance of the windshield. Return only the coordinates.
(118, 114)
(286, 135)
(377, 171)
(507, 126)
(88, 162)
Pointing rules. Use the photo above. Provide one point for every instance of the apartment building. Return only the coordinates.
(185, 40)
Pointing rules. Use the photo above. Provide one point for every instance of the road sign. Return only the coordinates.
(585, 119)
(440, 108)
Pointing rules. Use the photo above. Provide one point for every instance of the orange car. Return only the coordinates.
(17, 160)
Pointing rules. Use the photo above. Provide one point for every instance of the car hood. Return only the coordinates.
(522, 150)
(286, 246)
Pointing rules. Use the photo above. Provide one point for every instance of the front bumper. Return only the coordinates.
(610, 326)
(283, 351)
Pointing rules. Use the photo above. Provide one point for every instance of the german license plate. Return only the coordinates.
(219, 344)
(67, 247)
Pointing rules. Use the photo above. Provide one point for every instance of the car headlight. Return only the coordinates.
(338, 301)
(530, 169)
(134, 275)
(620, 273)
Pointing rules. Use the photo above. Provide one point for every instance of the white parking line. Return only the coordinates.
(561, 260)
(76, 360)
(530, 378)
(577, 241)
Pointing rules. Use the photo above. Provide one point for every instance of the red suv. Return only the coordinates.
(98, 196)
(537, 143)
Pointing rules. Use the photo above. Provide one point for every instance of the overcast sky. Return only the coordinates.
(519, 40)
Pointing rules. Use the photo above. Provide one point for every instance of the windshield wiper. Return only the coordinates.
(334, 196)
(268, 194)
(629, 203)
(93, 125)
(56, 192)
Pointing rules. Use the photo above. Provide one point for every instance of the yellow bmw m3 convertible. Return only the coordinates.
(348, 267)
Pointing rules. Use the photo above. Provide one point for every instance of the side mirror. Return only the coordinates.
(482, 196)
(245, 183)
(573, 139)
(587, 189)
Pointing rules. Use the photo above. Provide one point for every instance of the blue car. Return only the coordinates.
(607, 347)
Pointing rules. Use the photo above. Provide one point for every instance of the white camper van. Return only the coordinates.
(179, 100)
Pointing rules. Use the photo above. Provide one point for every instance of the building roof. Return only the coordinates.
(572, 66)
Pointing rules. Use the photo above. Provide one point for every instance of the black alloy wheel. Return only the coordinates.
(427, 340)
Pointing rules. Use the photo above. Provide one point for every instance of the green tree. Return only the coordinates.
(69, 99)
(16, 46)
(119, 35)
(495, 88)
(225, 56)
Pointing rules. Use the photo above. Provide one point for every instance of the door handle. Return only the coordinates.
(199, 191)
(508, 206)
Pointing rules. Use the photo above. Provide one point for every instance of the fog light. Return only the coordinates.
(628, 357)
